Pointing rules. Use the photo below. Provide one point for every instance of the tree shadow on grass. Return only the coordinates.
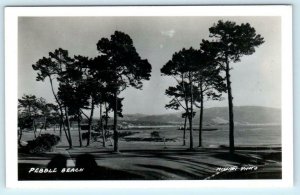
(239, 158)
(173, 171)
(86, 162)
(185, 164)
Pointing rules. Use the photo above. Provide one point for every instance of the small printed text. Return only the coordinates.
(235, 168)
(55, 170)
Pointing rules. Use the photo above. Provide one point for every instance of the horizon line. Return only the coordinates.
(178, 111)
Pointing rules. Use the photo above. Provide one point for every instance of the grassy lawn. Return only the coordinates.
(142, 160)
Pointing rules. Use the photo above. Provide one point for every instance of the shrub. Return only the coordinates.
(42, 143)
(155, 134)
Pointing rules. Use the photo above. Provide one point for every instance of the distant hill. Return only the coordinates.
(215, 115)
(133, 117)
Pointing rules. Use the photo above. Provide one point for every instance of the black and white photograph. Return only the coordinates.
(150, 97)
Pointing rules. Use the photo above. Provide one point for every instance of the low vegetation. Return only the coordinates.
(43, 143)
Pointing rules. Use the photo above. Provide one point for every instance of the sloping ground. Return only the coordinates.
(157, 164)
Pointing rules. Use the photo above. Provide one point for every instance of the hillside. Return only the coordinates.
(216, 115)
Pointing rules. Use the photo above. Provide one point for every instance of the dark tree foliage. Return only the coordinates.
(54, 117)
(55, 67)
(46, 112)
(34, 113)
(100, 70)
(77, 89)
(28, 112)
(232, 41)
(123, 68)
(209, 81)
(43, 143)
(182, 67)
(28, 105)
(182, 62)
(178, 94)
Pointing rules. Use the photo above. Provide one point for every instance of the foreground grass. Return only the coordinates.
(155, 163)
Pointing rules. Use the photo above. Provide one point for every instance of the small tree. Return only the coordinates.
(24, 122)
(232, 42)
(179, 95)
(182, 68)
(124, 68)
(29, 112)
(102, 90)
(54, 69)
(54, 119)
(209, 81)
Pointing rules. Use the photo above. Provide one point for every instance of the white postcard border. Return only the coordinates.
(11, 78)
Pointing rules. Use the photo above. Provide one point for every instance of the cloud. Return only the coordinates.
(168, 33)
(161, 46)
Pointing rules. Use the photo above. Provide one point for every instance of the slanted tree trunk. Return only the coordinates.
(79, 128)
(191, 114)
(201, 117)
(62, 116)
(45, 124)
(106, 116)
(187, 110)
(64, 128)
(230, 105)
(90, 123)
(106, 120)
(101, 127)
(68, 129)
(101, 118)
(68, 136)
(116, 136)
(184, 130)
(60, 129)
(20, 136)
(191, 131)
(34, 128)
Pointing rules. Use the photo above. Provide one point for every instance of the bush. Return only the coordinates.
(155, 134)
(42, 143)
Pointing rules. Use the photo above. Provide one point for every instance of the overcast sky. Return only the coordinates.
(256, 80)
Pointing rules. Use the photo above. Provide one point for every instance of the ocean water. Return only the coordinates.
(245, 135)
